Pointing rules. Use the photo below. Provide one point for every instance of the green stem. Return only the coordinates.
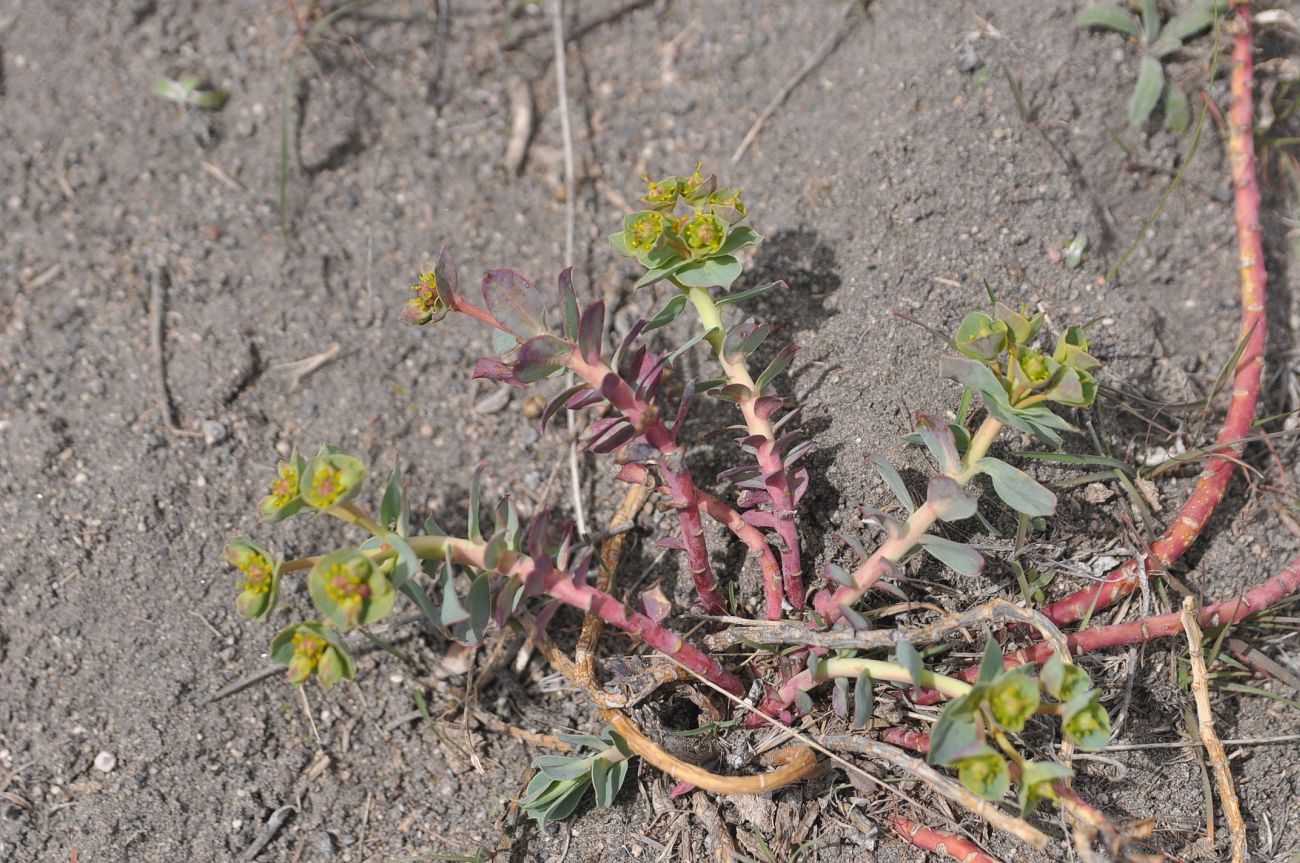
(875, 670)
(354, 515)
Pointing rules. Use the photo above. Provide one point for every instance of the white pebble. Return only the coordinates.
(105, 762)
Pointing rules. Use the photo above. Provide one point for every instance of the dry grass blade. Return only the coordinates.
(1218, 758)
(790, 632)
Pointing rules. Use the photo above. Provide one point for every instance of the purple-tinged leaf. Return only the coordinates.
(585, 399)
(800, 482)
(613, 440)
(890, 589)
(492, 369)
(759, 518)
(514, 302)
(656, 605)
(798, 452)
(840, 697)
(750, 498)
(556, 403)
(752, 441)
(684, 407)
(582, 568)
(535, 580)
(949, 501)
(783, 443)
(508, 600)
(444, 272)
(732, 392)
(600, 427)
(779, 363)
(765, 406)
(540, 357)
(626, 345)
(568, 303)
(671, 543)
(636, 452)
(938, 439)
(590, 331)
(776, 481)
(755, 482)
(785, 420)
(610, 385)
(544, 616)
(538, 534)
(737, 474)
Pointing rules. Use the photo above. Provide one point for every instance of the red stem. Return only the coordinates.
(560, 585)
(677, 477)
(1228, 611)
(938, 842)
(751, 536)
(1213, 481)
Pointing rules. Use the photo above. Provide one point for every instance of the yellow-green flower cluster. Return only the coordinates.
(659, 234)
(261, 577)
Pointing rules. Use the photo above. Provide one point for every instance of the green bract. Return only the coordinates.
(1036, 781)
(312, 648)
(261, 571)
(704, 234)
(331, 479)
(642, 232)
(661, 195)
(1012, 699)
(984, 772)
(1020, 327)
(428, 305)
(1086, 722)
(1072, 350)
(1063, 682)
(981, 337)
(349, 589)
(284, 499)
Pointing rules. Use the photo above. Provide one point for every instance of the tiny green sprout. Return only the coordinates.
(312, 649)
(981, 337)
(187, 91)
(261, 571)
(1012, 699)
(1086, 722)
(349, 589)
(284, 499)
(1063, 682)
(427, 306)
(704, 234)
(1075, 251)
(984, 772)
(331, 479)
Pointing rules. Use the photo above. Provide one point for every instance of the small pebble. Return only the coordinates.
(1095, 492)
(105, 762)
(533, 407)
(493, 402)
(214, 432)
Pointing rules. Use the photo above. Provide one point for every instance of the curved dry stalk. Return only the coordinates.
(1214, 751)
(1213, 481)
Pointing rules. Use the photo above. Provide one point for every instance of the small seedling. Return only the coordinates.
(562, 781)
(187, 91)
(1158, 43)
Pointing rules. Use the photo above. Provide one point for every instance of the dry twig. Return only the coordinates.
(1215, 753)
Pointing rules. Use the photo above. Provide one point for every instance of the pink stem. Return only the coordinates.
(751, 536)
(1213, 481)
(677, 477)
(560, 585)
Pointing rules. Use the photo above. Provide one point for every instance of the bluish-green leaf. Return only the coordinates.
(957, 556)
(1110, 17)
(895, 482)
(667, 314)
(718, 272)
(948, 500)
(392, 509)
(1177, 112)
(863, 701)
(1150, 83)
(905, 655)
(991, 661)
(1018, 489)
